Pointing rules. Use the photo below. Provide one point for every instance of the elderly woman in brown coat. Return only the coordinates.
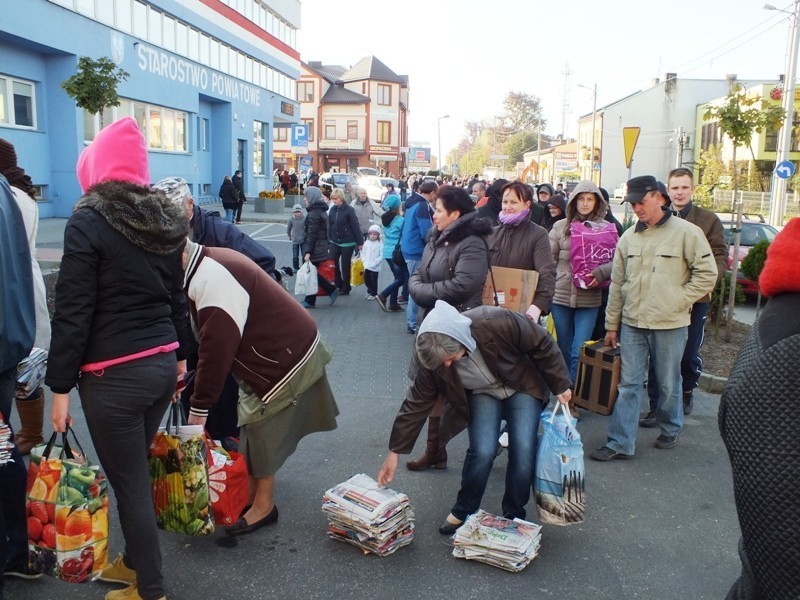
(453, 268)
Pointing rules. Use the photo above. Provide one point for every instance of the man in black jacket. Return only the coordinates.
(238, 183)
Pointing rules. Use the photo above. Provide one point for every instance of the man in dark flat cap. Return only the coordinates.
(662, 266)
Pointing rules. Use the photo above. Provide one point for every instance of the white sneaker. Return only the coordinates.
(503, 441)
(370, 297)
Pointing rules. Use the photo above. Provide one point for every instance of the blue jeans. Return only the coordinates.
(412, 308)
(573, 329)
(400, 279)
(296, 255)
(664, 349)
(123, 407)
(692, 362)
(229, 215)
(521, 413)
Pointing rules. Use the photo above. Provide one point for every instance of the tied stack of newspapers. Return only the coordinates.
(361, 513)
(6, 445)
(30, 373)
(505, 543)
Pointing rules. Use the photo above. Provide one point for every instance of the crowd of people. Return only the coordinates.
(152, 287)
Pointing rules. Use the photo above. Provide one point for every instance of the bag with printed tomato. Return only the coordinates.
(67, 500)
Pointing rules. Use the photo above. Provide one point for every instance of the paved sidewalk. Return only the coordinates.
(660, 526)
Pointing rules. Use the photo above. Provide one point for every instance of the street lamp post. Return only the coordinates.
(594, 120)
(439, 135)
(778, 196)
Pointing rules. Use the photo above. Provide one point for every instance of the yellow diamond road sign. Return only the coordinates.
(630, 135)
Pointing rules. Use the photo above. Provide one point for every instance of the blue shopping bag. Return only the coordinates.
(559, 483)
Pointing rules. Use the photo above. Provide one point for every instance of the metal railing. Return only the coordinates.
(754, 203)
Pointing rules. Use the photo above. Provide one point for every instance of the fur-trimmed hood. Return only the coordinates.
(463, 227)
(582, 187)
(143, 215)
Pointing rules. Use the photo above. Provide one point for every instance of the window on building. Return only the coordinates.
(17, 102)
(203, 134)
(305, 91)
(280, 134)
(169, 33)
(364, 87)
(123, 15)
(259, 148)
(213, 60)
(194, 44)
(309, 123)
(330, 129)
(85, 7)
(105, 12)
(205, 42)
(154, 27)
(710, 135)
(385, 132)
(352, 130)
(384, 94)
(140, 20)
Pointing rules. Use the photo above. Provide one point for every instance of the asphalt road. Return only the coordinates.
(660, 526)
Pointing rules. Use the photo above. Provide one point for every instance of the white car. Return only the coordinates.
(620, 191)
(376, 186)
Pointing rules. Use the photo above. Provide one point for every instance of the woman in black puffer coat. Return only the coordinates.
(315, 246)
(760, 426)
(453, 268)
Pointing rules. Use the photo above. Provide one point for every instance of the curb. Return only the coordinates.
(712, 383)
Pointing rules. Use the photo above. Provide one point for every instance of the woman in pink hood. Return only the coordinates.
(119, 331)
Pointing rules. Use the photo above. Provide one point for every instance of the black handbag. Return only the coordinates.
(397, 256)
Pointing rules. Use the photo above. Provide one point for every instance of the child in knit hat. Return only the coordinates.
(295, 229)
(372, 255)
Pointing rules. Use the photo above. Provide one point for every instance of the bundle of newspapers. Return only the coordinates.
(6, 445)
(360, 512)
(30, 373)
(505, 543)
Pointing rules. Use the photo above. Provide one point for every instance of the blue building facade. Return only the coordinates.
(209, 79)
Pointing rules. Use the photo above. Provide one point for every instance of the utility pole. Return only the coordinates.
(681, 142)
(539, 150)
(777, 201)
(565, 110)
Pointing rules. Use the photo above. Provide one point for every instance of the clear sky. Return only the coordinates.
(462, 57)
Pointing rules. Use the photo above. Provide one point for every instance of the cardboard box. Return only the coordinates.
(598, 378)
(515, 288)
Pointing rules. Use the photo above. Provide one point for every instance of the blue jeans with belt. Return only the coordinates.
(664, 349)
(521, 413)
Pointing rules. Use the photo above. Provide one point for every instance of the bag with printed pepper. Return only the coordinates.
(179, 477)
(67, 501)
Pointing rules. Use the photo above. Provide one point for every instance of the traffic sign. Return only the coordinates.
(299, 139)
(785, 169)
(630, 135)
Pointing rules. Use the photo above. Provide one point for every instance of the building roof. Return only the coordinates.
(338, 94)
(330, 73)
(370, 67)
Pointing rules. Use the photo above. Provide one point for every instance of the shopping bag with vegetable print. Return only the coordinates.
(67, 500)
(179, 477)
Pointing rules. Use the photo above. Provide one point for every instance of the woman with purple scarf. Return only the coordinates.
(519, 243)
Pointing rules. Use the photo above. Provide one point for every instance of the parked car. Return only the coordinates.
(753, 231)
(335, 180)
(621, 190)
(366, 171)
(376, 186)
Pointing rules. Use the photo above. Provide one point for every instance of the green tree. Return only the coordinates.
(518, 144)
(522, 112)
(739, 116)
(714, 173)
(94, 85)
(753, 264)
